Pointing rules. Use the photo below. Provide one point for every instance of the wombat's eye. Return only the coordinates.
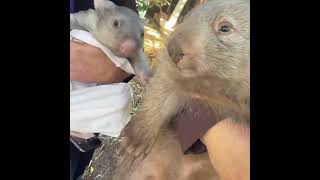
(225, 28)
(142, 34)
(116, 23)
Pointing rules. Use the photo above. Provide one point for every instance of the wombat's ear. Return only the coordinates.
(104, 4)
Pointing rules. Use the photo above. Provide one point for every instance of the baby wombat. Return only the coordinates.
(117, 28)
(206, 64)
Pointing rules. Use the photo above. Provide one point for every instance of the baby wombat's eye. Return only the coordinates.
(116, 24)
(225, 28)
(142, 34)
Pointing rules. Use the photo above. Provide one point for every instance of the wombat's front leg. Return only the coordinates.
(141, 67)
(159, 106)
(83, 20)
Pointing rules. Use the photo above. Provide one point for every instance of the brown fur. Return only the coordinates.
(166, 162)
(214, 68)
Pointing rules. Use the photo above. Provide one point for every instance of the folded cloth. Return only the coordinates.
(99, 108)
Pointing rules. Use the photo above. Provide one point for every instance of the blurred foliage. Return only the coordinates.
(143, 5)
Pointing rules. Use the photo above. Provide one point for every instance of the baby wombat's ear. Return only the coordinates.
(104, 4)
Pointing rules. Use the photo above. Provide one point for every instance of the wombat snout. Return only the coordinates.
(128, 47)
(175, 51)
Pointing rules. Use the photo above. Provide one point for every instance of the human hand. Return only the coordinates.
(228, 146)
(88, 64)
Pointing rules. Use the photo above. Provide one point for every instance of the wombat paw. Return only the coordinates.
(136, 142)
(126, 163)
(140, 144)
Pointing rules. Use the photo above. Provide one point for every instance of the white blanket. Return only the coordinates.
(100, 109)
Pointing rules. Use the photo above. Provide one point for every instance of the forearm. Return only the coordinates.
(115, 75)
(228, 146)
(89, 64)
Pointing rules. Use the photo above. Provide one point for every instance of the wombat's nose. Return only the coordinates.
(175, 51)
(128, 47)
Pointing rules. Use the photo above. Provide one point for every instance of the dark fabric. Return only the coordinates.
(80, 5)
(196, 148)
(192, 123)
(128, 79)
(78, 161)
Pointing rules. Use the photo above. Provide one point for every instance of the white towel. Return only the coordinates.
(100, 109)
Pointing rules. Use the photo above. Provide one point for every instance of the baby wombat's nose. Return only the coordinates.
(128, 47)
(175, 51)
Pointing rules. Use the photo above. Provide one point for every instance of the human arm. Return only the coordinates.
(89, 64)
(228, 146)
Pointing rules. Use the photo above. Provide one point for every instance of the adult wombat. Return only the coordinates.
(206, 64)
